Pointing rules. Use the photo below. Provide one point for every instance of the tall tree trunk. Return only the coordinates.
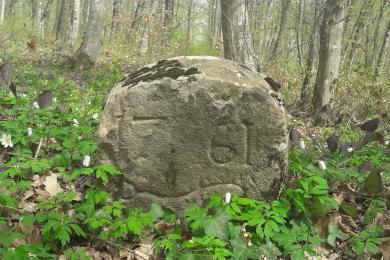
(237, 41)
(169, 12)
(34, 12)
(85, 14)
(264, 47)
(57, 17)
(75, 23)
(368, 40)
(64, 18)
(138, 14)
(312, 59)
(352, 40)
(329, 58)
(11, 7)
(145, 35)
(116, 15)
(281, 39)
(41, 22)
(210, 20)
(189, 22)
(87, 54)
(382, 53)
(384, 6)
(216, 25)
(44, 18)
(2, 11)
(297, 32)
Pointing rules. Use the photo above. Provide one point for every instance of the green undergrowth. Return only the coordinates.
(53, 201)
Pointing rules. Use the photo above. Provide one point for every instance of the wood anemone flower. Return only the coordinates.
(6, 140)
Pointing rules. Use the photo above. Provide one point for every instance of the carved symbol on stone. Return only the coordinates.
(231, 143)
(222, 153)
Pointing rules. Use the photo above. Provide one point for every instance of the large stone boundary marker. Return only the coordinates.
(184, 128)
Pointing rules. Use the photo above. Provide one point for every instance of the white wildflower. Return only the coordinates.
(95, 116)
(76, 108)
(302, 144)
(86, 161)
(228, 197)
(350, 149)
(6, 140)
(249, 243)
(322, 165)
(35, 105)
(387, 143)
(29, 131)
(75, 122)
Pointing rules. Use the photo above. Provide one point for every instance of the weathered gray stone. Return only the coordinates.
(184, 128)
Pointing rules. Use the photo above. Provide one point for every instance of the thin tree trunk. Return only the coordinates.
(210, 21)
(216, 25)
(312, 59)
(116, 15)
(264, 47)
(34, 12)
(86, 55)
(367, 57)
(44, 18)
(281, 39)
(75, 23)
(11, 7)
(348, 16)
(376, 33)
(145, 35)
(382, 53)
(329, 58)
(41, 22)
(63, 27)
(297, 33)
(138, 13)
(237, 41)
(2, 11)
(57, 17)
(189, 22)
(169, 12)
(352, 42)
(85, 15)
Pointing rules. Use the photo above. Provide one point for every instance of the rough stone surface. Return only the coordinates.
(184, 128)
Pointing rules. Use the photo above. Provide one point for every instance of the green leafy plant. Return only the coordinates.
(368, 240)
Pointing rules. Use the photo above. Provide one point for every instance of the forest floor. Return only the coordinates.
(53, 204)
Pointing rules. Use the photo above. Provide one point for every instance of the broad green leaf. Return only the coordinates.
(28, 220)
(374, 183)
(217, 225)
(349, 208)
(241, 251)
(156, 211)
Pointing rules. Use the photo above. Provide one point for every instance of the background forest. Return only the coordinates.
(329, 59)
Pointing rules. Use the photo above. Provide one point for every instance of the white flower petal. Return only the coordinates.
(302, 144)
(6, 140)
(35, 105)
(95, 116)
(228, 197)
(29, 131)
(322, 165)
(75, 122)
(86, 161)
